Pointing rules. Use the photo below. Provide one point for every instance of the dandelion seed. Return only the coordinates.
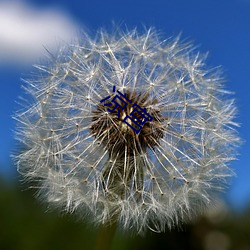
(157, 168)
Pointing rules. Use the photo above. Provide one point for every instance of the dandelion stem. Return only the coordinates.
(105, 236)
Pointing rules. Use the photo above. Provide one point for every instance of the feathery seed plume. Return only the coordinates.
(128, 127)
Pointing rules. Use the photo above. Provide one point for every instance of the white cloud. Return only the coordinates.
(25, 31)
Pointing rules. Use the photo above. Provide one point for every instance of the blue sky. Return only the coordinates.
(221, 27)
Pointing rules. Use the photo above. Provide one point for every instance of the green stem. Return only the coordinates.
(105, 236)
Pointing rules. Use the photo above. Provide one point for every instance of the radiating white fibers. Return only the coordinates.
(85, 159)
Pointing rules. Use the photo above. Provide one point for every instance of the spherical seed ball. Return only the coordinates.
(128, 127)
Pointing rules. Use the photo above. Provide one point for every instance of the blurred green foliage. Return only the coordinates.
(25, 225)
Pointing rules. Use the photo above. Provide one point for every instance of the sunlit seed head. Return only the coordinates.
(89, 160)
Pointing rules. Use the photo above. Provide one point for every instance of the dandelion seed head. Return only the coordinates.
(86, 159)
